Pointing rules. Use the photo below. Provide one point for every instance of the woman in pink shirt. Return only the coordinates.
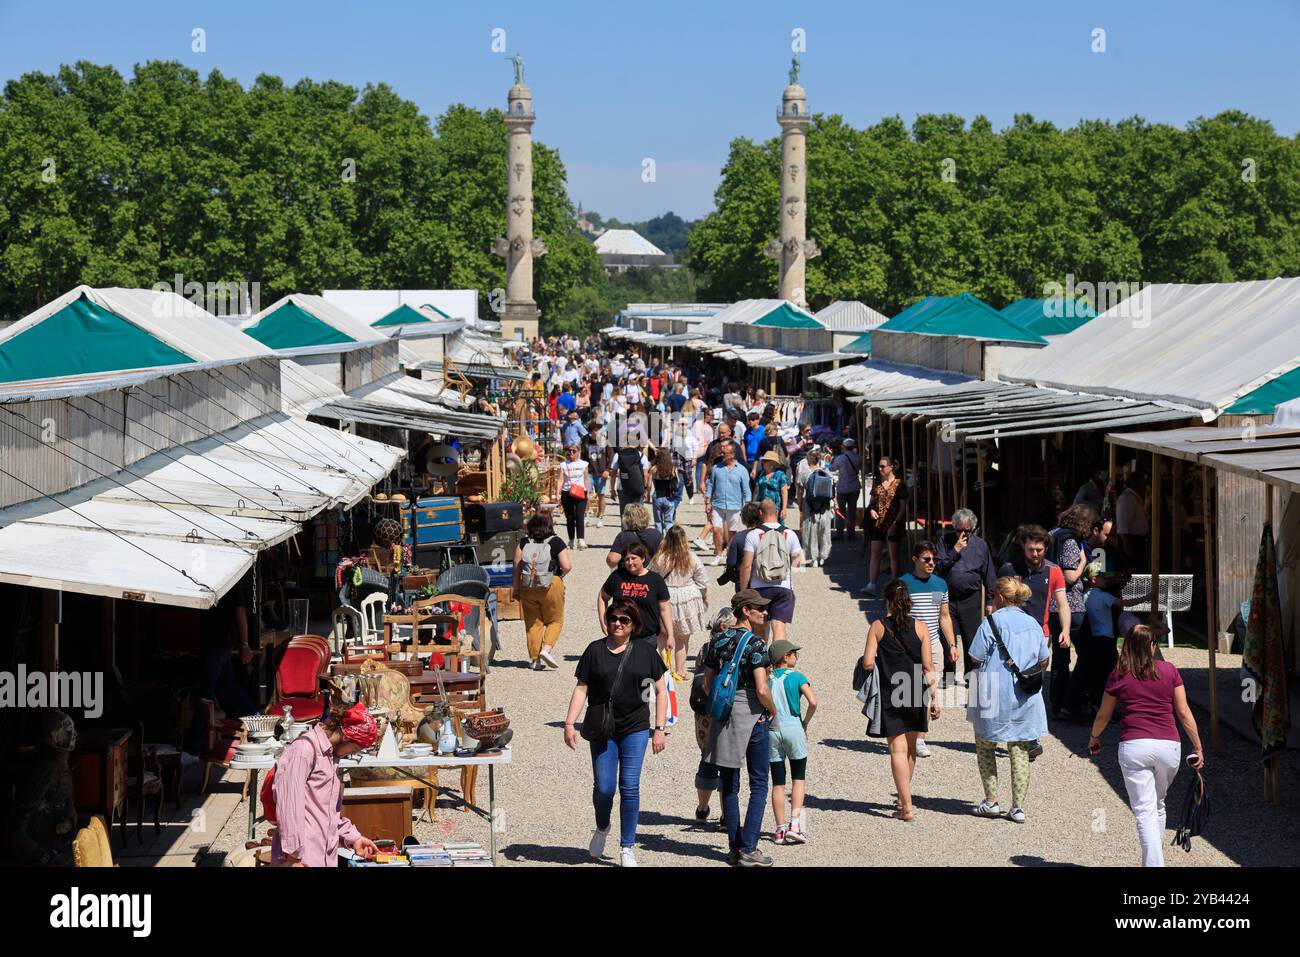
(1150, 695)
(309, 793)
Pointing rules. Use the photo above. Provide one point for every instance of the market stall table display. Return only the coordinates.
(491, 759)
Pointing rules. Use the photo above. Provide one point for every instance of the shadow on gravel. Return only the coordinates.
(654, 817)
(956, 806)
(863, 746)
(537, 854)
(1026, 860)
(843, 804)
(661, 844)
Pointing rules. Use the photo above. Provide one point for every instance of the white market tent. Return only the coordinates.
(1196, 345)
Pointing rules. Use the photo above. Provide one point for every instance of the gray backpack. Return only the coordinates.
(535, 564)
(772, 557)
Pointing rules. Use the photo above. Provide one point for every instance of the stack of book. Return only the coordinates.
(428, 855)
(468, 854)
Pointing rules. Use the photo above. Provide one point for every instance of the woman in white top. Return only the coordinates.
(573, 495)
(688, 594)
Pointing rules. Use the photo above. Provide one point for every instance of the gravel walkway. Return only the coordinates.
(1077, 813)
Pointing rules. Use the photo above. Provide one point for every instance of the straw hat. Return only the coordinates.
(770, 456)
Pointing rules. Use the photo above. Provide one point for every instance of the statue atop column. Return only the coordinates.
(520, 76)
(794, 70)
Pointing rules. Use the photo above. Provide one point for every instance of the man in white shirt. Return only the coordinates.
(617, 368)
(780, 594)
(1132, 524)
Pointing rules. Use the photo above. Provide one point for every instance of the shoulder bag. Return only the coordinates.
(598, 722)
(1031, 681)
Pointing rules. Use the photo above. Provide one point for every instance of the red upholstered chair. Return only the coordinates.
(297, 683)
(219, 745)
(322, 645)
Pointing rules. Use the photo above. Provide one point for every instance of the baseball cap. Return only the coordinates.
(779, 649)
(747, 596)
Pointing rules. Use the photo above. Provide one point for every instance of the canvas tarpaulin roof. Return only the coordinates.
(1049, 317)
(182, 525)
(878, 376)
(302, 324)
(92, 333)
(1199, 345)
(960, 315)
(982, 410)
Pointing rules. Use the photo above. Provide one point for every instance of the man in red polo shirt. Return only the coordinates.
(1045, 581)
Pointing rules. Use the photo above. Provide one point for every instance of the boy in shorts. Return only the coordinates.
(789, 739)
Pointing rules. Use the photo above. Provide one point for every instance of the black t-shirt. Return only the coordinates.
(645, 591)
(719, 651)
(596, 669)
(651, 538)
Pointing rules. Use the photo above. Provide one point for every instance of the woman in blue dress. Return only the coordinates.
(998, 708)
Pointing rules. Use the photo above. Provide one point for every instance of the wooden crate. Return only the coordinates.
(507, 608)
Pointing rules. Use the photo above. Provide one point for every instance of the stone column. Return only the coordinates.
(793, 249)
(519, 313)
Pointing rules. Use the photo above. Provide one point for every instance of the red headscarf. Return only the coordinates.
(359, 725)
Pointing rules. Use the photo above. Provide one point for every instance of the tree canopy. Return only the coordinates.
(110, 181)
(946, 207)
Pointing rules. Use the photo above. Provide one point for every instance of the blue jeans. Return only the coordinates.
(619, 760)
(666, 510)
(756, 760)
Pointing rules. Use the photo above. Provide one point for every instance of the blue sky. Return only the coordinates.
(614, 84)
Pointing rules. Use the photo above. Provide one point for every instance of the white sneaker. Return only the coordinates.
(549, 658)
(539, 665)
(597, 846)
(922, 749)
(626, 858)
(600, 521)
(717, 560)
(1016, 815)
(988, 808)
(581, 544)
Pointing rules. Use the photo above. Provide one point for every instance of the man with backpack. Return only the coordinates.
(772, 552)
(738, 700)
(816, 499)
(633, 474)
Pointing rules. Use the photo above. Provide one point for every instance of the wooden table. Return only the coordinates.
(373, 761)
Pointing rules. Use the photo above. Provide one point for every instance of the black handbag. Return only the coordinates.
(1196, 811)
(598, 722)
(1031, 681)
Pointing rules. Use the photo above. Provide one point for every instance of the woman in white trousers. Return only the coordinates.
(1150, 695)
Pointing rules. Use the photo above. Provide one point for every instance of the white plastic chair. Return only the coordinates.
(372, 617)
(1175, 595)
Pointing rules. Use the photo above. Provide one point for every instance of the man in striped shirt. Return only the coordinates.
(929, 595)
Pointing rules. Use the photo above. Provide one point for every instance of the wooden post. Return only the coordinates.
(1176, 531)
(979, 464)
(929, 487)
(1211, 618)
(914, 500)
(902, 455)
(963, 472)
(943, 499)
(1110, 474)
(1155, 541)
(1272, 781)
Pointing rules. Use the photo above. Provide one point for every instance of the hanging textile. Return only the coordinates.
(1264, 658)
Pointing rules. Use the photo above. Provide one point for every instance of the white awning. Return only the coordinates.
(879, 377)
(789, 360)
(181, 526)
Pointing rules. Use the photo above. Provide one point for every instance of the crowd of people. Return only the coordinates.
(776, 498)
(777, 494)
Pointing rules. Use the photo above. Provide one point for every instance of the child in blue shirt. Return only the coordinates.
(789, 739)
